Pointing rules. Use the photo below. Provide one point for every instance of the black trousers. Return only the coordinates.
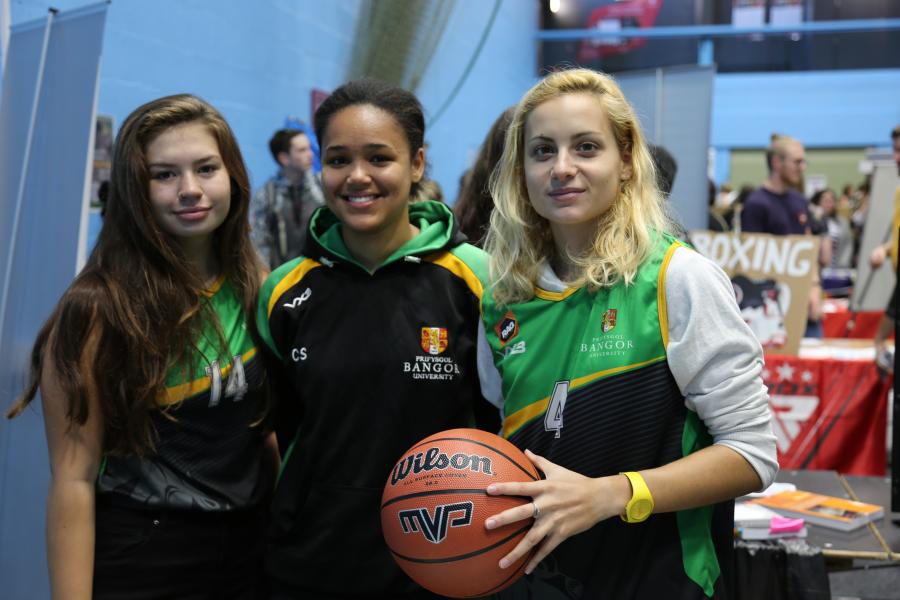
(190, 555)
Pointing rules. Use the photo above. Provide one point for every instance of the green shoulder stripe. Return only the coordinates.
(276, 284)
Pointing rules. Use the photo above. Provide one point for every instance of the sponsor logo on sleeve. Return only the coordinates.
(296, 302)
(507, 328)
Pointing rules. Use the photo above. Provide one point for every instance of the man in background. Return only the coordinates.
(280, 210)
(779, 208)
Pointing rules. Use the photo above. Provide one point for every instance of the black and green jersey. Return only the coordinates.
(209, 443)
(372, 362)
(587, 385)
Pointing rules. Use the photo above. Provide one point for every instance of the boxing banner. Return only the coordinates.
(828, 414)
(772, 276)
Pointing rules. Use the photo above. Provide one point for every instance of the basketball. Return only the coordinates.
(435, 504)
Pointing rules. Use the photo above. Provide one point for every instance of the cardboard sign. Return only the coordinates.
(772, 276)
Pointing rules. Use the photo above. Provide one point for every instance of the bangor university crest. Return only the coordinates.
(434, 340)
(609, 320)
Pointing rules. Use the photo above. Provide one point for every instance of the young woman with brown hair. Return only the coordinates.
(151, 389)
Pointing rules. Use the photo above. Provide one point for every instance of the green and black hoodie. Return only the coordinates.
(371, 362)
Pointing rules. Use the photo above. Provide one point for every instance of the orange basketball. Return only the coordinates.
(434, 508)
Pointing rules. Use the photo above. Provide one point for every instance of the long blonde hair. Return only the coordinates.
(519, 239)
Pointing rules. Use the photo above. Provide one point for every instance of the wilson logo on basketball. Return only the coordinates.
(435, 528)
(434, 340)
(433, 459)
(507, 328)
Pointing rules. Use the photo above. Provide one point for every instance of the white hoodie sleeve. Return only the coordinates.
(716, 360)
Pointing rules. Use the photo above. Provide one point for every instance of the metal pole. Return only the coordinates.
(13, 238)
(658, 108)
(4, 35)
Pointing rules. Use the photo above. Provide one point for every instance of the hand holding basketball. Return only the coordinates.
(568, 504)
(435, 504)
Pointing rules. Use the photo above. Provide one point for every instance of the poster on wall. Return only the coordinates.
(617, 51)
(786, 12)
(102, 162)
(748, 13)
(771, 276)
(629, 14)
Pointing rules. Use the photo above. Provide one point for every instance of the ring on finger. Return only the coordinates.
(535, 512)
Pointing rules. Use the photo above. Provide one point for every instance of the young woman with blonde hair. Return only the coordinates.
(151, 385)
(628, 373)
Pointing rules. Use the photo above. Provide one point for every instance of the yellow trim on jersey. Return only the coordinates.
(215, 286)
(515, 421)
(290, 280)
(554, 296)
(458, 267)
(184, 391)
(661, 306)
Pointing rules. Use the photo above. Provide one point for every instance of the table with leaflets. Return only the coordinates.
(830, 417)
(797, 569)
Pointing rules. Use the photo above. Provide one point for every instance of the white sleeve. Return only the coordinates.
(717, 361)
(491, 385)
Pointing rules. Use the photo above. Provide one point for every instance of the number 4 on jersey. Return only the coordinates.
(553, 418)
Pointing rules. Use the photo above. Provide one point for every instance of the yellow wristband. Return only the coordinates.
(641, 504)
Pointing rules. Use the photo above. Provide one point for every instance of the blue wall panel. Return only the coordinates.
(259, 62)
(821, 108)
(502, 73)
(43, 260)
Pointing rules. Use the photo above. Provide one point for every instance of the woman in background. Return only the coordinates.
(835, 227)
(474, 205)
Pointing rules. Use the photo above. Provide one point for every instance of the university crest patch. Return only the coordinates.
(609, 321)
(434, 340)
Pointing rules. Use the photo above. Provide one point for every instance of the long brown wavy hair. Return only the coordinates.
(137, 291)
